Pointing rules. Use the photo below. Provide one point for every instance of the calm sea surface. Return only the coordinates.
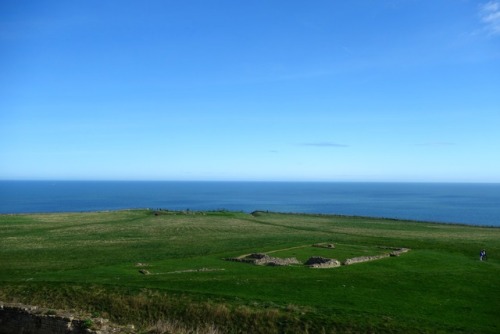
(477, 204)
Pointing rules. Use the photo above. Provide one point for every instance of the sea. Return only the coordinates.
(461, 203)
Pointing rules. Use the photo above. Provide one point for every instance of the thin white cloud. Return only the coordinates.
(324, 144)
(490, 16)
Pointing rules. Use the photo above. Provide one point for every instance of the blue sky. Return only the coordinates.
(394, 90)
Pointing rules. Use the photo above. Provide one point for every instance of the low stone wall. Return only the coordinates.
(322, 262)
(14, 320)
(22, 319)
(265, 260)
(395, 252)
(315, 261)
(363, 259)
(324, 245)
(399, 251)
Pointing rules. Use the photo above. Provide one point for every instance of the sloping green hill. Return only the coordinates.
(91, 261)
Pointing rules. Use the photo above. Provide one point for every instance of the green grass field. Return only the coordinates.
(88, 261)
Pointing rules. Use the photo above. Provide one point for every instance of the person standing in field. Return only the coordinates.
(482, 255)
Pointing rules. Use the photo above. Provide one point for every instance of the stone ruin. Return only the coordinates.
(363, 259)
(323, 245)
(315, 261)
(262, 259)
(322, 262)
(398, 251)
(395, 252)
(17, 318)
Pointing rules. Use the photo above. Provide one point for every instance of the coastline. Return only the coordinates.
(190, 212)
(470, 204)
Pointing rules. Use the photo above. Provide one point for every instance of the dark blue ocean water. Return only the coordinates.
(477, 204)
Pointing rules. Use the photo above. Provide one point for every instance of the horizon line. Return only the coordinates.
(250, 181)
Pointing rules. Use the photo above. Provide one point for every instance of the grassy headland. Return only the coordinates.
(91, 262)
